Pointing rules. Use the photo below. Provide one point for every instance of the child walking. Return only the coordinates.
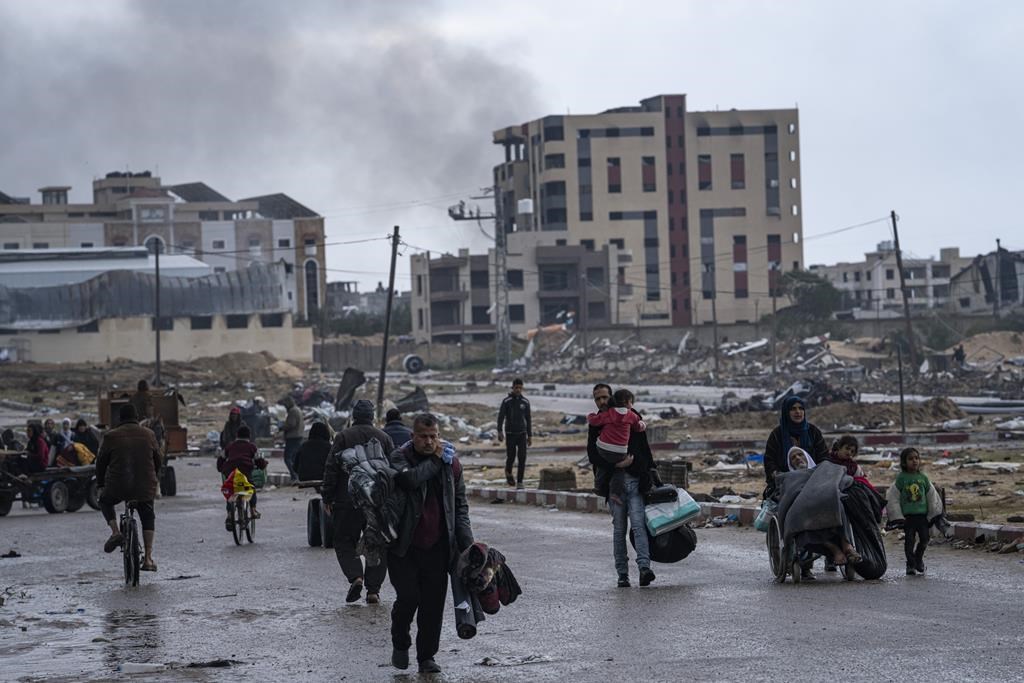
(913, 487)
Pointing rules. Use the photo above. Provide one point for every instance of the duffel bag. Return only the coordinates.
(664, 493)
(669, 547)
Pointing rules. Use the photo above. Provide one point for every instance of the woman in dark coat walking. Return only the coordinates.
(793, 430)
(312, 456)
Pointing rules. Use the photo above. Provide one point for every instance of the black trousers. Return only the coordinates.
(348, 528)
(144, 508)
(515, 448)
(421, 586)
(916, 529)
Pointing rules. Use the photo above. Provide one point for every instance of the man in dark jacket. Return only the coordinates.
(349, 521)
(515, 427)
(126, 470)
(602, 473)
(311, 459)
(435, 529)
(396, 429)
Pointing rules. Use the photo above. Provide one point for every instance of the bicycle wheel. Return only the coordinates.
(126, 555)
(250, 529)
(236, 529)
(136, 551)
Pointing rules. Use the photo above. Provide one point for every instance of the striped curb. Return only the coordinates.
(745, 514)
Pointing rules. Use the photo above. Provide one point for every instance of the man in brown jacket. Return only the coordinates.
(126, 470)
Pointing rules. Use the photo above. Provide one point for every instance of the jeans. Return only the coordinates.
(291, 449)
(631, 509)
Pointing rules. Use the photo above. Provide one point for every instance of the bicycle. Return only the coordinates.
(243, 519)
(131, 548)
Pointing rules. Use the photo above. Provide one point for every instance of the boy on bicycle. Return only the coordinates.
(242, 455)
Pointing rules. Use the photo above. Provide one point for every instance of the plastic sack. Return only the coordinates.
(236, 484)
(259, 477)
(664, 517)
(764, 517)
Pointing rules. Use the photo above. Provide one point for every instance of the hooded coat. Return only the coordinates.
(312, 456)
(785, 436)
(128, 462)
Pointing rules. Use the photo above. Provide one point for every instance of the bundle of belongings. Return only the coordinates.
(236, 484)
(74, 454)
(482, 583)
(371, 485)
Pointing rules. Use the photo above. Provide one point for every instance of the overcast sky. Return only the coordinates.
(381, 113)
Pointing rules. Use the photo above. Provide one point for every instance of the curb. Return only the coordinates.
(588, 502)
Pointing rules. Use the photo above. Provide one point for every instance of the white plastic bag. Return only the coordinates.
(663, 517)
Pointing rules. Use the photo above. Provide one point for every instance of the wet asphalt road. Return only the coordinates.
(277, 607)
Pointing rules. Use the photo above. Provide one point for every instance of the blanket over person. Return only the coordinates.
(810, 500)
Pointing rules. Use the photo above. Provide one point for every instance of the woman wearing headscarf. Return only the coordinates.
(312, 456)
(793, 430)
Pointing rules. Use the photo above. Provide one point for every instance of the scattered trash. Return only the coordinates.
(212, 664)
(140, 668)
(514, 661)
(182, 577)
(11, 553)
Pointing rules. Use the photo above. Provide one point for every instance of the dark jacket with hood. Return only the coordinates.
(128, 462)
(335, 480)
(311, 459)
(230, 431)
(86, 438)
(414, 474)
(400, 434)
(785, 436)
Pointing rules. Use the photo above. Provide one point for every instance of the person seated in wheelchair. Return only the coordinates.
(242, 455)
(811, 511)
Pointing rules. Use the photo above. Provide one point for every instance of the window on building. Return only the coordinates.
(201, 322)
(856, 276)
(222, 269)
(312, 287)
(271, 319)
(649, 174)
(595, 310)
(481, 316)
(284, 244)
(889, 273)
(614, 174)
(867, 275)
(792, 155)
(556, 279)
(419, 285)
(515, 278)
(166, 323)
(561, 243)
(737, 171)
(478, 279)
(218, 244)
(595, 277)
(516, 313)
(10, 246)
(94, 326)
(152, 213)
(554, 161)
(795, 210)
(618, 242)
(554, 133)
(40, 245)
(555, 218)
(419, 318)
(236, 321)
(87, 245)
(587, 244)
(254, 242)
(890, 293)
(792, 128)
(704, 172)
(208, 215)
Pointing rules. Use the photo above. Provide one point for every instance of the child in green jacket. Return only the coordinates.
(913, 487)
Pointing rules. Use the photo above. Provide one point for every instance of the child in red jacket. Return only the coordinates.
(616, 423)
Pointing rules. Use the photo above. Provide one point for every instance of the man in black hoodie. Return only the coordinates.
(349, 521)
(515, 427)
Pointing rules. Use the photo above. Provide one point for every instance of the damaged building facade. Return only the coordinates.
(871, 288)
(113, 314)
(641, 216)
(973, 288)
(136, 209)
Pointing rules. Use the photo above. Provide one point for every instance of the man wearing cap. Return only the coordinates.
(348, 519)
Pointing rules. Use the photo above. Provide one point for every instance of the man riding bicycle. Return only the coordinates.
(126, 470)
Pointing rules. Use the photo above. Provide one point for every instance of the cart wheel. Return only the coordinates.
(168, 482)
(313, 523)
(55, 497)
(796, 570)
(326, 528)
(5, 505)
(92, 494)
(775, 558)
(241, 521)
(76, 498)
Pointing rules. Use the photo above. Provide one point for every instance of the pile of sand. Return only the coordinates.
(988, 346)
(285, 370)
(872, 414)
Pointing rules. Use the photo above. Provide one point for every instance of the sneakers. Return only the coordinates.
(372, 598)
(920, 566)
(399, 658)
(911, 570)
(646, 576)
(623, 581)
(113, 543)
(354, 591)
(429, 666)
(509, 479)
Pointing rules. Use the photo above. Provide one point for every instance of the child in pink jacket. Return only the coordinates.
(616, 423)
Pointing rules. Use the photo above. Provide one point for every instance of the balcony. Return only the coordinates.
(448, 295)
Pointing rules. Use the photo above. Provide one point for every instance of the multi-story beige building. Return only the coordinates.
(699, 205)
(871, 288)
(134, 209)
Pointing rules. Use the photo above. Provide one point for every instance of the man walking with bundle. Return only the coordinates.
(515, 427)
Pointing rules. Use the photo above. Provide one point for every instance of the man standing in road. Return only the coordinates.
(126, 470)
(435, 529)
(294, 427)
(514, 417)
(348, 520)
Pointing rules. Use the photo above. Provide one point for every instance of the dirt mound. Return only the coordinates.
(875, 414)
(760, 420)
(285, 370)
(990, 345)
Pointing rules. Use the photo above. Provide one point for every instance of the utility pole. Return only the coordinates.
(903, 408)
(159, 322)
(584, 315)
(387, 326)
(710, 267)
(774, 268)
(997, 294)
(903, 290)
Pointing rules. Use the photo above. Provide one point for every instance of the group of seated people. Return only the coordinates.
(45, 446)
